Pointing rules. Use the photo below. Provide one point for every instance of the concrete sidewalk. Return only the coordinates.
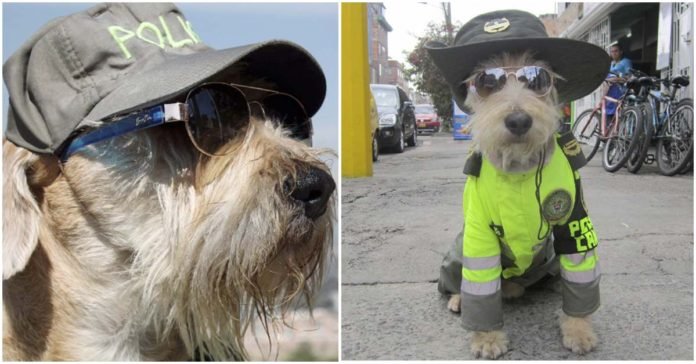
(397, 226)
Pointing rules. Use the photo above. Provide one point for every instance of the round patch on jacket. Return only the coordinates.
(556, 206)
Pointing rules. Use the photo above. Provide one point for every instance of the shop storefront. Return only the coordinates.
(656, 37)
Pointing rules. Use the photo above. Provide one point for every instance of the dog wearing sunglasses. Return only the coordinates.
(514, 124)
(150, 245)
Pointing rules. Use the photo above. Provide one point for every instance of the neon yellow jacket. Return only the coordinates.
(504, 216)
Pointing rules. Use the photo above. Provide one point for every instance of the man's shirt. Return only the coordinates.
(621, 67)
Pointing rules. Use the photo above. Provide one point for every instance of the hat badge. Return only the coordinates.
(496, 25)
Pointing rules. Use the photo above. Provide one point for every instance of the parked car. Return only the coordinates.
(427, 119)
(397, 118)
(374, 128)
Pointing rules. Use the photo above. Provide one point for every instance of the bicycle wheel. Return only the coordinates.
(675, 144)
(635, 161)
(586, 132)
(618, 148)
(689, 167)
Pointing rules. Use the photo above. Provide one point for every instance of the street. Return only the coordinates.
(398, 224)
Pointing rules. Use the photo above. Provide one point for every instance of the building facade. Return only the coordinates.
(656, 37)
(395, 74)
(378, 42)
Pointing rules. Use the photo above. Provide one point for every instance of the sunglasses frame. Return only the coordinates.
(516, 68)
(159, 115)
(273, 92)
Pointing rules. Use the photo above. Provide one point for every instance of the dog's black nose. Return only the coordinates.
(313, 188)
(518, 122)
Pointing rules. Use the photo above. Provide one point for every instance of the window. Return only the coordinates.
(599, 34)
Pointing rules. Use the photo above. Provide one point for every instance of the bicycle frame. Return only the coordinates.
(659, 121)
(605, 134)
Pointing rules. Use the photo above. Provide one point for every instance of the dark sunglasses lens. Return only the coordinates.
(289, 113)
(217, 114)
(536, 79)
(490, 81)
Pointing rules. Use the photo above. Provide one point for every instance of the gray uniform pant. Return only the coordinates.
(545, 264)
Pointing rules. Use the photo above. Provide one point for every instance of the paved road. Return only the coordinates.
(397, 225)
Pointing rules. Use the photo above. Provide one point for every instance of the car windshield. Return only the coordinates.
(424, 109)
(385, 96)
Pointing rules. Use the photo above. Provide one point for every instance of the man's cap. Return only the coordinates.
(117, 58)
(582, 65)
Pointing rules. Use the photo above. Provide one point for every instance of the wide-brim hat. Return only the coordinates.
(116, 58)
(582, 65)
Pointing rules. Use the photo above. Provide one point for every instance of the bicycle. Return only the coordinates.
(619, 136)
(673, 126)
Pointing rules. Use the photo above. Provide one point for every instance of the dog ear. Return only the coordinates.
(23, 174)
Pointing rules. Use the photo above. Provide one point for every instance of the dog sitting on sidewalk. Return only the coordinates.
(524, 212)
(150, 213)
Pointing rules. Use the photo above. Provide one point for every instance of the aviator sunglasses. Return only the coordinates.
(491, 80)
(214, 114)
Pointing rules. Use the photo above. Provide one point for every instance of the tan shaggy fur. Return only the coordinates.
(512, 153)
(141, 248)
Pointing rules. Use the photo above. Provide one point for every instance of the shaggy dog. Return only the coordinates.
(141, 248)
(515, 151)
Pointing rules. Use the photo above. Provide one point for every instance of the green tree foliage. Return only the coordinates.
(424, 74)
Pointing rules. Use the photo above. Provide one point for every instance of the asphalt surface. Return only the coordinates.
(398, 224)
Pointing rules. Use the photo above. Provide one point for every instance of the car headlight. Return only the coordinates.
(388, 119)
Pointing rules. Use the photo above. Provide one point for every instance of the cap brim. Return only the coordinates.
(582, 65)
(289, 67)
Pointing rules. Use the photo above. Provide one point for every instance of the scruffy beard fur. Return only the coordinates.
(509, 152)
(141, 248)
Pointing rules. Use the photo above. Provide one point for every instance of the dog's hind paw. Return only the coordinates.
(511, 290)
(578, 335)
(489, 345)
(454, 303)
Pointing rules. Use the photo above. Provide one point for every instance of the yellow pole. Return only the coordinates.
(356, 145)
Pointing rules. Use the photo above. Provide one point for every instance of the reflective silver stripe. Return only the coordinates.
(481, 263)
(581, 277)
(480, 289)
(576, 258)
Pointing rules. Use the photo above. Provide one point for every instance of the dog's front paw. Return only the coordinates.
(454, 303)
(489, 344)
(578, 335)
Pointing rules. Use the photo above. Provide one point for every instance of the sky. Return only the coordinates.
(312, 25)
(410, 19)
